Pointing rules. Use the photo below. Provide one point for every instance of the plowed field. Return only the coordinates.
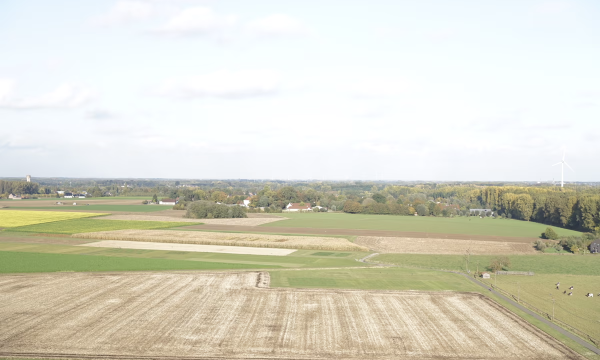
(233, 315)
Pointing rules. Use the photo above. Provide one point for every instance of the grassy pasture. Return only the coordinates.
(371, 279)
(457, 225)
(25, 262)
(17, 218)
(92, 225)
(539, 264)
(577, 310)
(298, 259)
(101, 207)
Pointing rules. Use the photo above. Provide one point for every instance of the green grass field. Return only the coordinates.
(298, 259)
(542, 264)
(100, 207)
(457, 225)
(25, 262)
(577, 310)
(91, 225)
(376, 278)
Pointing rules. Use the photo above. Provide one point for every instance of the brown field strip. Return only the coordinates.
(226, 239)
(355, 232)
(232, 222)
(236, 316)
(404, 245)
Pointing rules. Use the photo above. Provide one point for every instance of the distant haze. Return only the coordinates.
(440, 90)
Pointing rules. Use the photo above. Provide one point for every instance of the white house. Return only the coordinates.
(167, 202)
(485, 275)
(294, 207)
(14, 197)
(68, 195)
(247, 201)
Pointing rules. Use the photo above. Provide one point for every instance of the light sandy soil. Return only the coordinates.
(187, 247)
(233, 316)
(235, 222)
(227, 239)
(406, 245)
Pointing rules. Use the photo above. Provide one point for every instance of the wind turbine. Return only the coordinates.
(562, 169)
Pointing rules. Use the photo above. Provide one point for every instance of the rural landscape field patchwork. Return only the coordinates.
(331, 285)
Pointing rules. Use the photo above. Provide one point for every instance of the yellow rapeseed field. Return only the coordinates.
(14, 218)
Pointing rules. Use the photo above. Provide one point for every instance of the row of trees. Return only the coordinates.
(18, 187)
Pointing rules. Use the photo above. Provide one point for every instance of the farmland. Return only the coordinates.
(425, 224)
(91, 225)
(542, 264)
(215, 238)
(254, 221)
(13, 218)
(441, 246)
(539, 290)
(99, 207)
(227, 316)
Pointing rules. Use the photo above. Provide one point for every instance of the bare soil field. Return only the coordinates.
(234, 222)
(406, 245)
(120, 244)
(235, 316)
(356, 232)
(227, 239)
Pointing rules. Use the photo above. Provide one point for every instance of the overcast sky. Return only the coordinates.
(436, 90)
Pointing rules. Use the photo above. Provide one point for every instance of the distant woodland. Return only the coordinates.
(574, 206)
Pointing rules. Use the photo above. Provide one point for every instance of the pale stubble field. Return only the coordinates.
(235, 315)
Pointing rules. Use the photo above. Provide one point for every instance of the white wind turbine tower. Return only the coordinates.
(562, 169)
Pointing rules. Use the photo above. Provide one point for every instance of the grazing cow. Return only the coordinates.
(590, 295)
(565, 292)
(571, 293)
(558, 284)
(571, 288)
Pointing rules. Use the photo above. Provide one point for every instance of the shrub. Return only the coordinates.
(352, 207)
(540, 245)
(203, 209)
(550, 234)
(499, 263)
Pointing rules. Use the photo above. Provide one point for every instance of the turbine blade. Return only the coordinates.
(570, 167)
(557, 164)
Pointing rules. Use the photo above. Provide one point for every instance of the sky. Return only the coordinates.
(337, 89)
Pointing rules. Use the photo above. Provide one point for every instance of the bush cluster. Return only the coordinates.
(209, 210)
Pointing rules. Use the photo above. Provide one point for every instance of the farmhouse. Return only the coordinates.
(595, 247)
(168, 202)
(294, 207)
(247, 201)
(485, 275)
(68, 195)
(14, 197)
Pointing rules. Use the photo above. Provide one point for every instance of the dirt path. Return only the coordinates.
(355, 232)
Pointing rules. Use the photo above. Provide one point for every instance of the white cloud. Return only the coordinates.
(378, 87)
(124, 11)
(223, 84)
(64, 96)
(277, 25)
(197, 21)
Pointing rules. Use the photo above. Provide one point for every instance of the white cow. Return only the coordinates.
(590, 295)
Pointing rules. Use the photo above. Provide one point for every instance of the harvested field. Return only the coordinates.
(231, 239)
(407, 245)
(234, 315)
(120, 244)
(234, 222)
